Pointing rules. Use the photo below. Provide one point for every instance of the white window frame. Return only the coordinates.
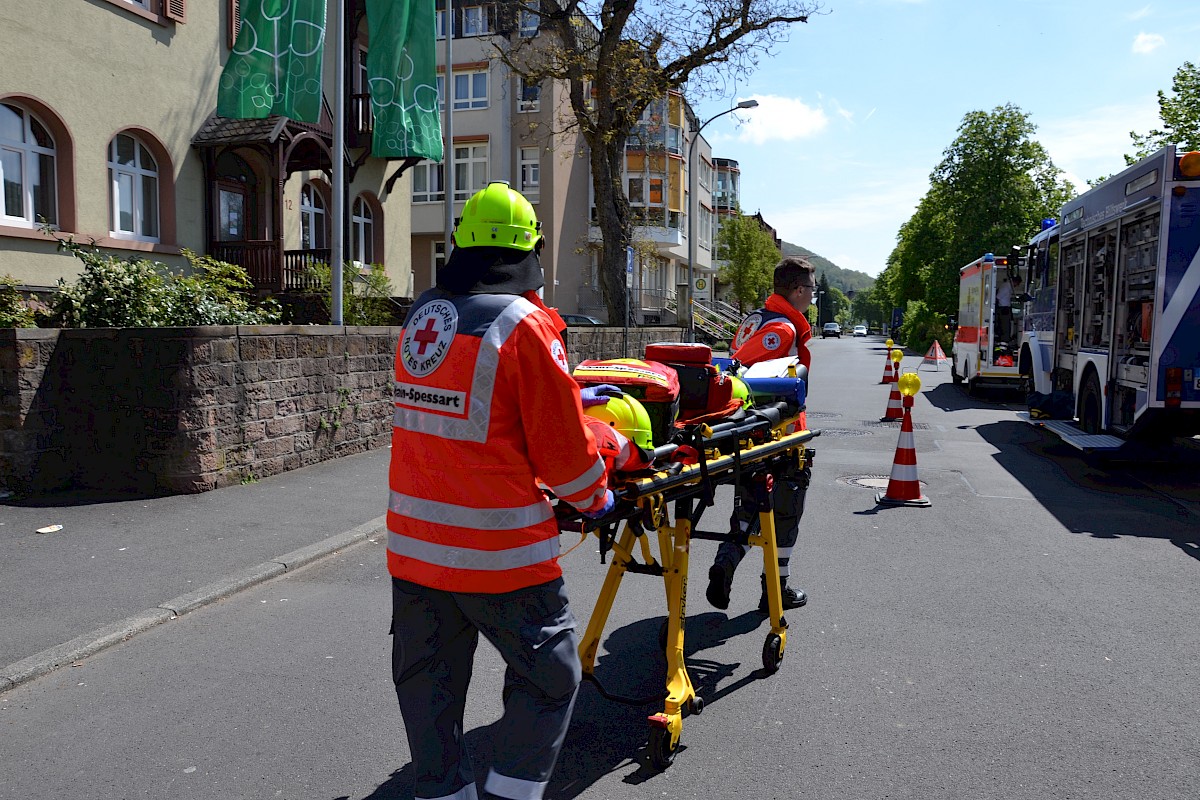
(438, 256)
(313, 219)
(474, 21)
(470, 169)
(640, 198)
(530, 170)
(523, 88)
(27, 152)
(362, 230)
(529, 19)
(471, 100)
(434, 183)
(439, 25)
(136, 173)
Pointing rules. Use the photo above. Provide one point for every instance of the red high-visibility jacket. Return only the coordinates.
(485, 408)
(777, 330)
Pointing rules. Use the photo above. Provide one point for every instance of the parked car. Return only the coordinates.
(581, 319)
(831, 329)
(860, 330)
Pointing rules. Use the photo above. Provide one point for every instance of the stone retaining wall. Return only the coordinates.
(169, 410)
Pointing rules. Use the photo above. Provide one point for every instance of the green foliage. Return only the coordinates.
(991, 190)
(750, 255)
(365, 296)
(14, 313)
(848, 280)
(870, 306)
(1180, 115)
(112, 292)
(921, 326)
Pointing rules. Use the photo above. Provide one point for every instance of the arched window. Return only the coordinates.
(362, 232)
(27, 164)
(314, 224)
(132, 189)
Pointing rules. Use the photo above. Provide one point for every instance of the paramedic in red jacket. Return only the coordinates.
(778, 330)
(485, 409)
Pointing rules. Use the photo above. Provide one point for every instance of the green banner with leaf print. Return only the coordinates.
(402, 72)
(275, 66)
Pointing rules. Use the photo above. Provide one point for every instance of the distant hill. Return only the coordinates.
(844, 279)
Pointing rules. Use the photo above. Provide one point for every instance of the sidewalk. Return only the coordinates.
(118, 567)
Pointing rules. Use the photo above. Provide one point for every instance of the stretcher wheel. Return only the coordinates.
(772, 653)
(696, 704)
(661, 751)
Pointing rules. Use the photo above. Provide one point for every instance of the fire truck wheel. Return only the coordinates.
(1089, 405)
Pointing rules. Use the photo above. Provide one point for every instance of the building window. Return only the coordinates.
(440, 24)
(475, 21)
(27, 164)
(656, 191)
(530, 19)
(530, 171)
(362, 234)
(531, 96)
(428, 183)
(636, 192)
(132, 189)
(439, 257)
(314, 224)
(470, 170)
(470, 90)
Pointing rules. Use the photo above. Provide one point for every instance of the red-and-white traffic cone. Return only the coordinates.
(903, 488)
(888, 375)
(894, 410)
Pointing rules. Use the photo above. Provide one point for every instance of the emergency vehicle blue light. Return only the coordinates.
(989, 257)
(1047, 224)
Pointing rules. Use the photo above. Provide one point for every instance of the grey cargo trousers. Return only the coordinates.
(433, 647)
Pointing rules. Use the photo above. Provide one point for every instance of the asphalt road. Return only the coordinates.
(1030, 635)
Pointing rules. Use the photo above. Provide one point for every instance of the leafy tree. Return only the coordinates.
(618, 57)
(871, 306)
(365, 297)
(750, 255)
(1180, 115)
(993, 187)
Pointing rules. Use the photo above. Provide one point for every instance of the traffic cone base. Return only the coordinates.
(904, 489)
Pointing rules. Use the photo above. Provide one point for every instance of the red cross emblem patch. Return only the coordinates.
(427, 337)
(749, 325)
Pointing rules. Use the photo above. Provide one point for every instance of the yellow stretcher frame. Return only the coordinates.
(651, 496)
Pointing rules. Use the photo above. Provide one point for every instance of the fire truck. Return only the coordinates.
(1112, 306)
(986, 341)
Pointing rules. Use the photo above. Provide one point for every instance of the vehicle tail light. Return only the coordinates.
(1174, 387)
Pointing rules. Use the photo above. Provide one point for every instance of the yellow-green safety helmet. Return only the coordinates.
(628, 416)
(498, 216)
(741, 391)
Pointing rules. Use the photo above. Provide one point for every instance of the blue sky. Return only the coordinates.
(856, 109)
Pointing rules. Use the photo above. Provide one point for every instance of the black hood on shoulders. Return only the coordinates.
(491, 270)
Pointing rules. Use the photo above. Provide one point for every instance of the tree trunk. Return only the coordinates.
(612, 212)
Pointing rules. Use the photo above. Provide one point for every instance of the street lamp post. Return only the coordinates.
(691, 287)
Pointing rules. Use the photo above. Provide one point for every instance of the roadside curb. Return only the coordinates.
(89, 644)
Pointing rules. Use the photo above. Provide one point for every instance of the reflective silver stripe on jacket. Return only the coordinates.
(467, 558)
(584, 481)
(482, 519)
(479, 414)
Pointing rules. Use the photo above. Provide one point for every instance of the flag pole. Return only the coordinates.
(337, 243)
(448, 148)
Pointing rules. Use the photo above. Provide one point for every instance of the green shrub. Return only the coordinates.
(921, 326)
(14, 313)
(137, 293)
(365, 297)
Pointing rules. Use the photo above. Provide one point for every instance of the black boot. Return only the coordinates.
(720, 580)
(791, 598)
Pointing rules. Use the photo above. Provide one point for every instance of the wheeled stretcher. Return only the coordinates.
(664, 504)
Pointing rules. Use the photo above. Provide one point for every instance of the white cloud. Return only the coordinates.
(1146, 43)
(1141, 13)
(780, 118)
(1093, 144)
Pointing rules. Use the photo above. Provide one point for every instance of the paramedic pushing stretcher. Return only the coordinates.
(777, 330)
(485, 409)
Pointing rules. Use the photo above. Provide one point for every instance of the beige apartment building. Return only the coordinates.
(108, 132)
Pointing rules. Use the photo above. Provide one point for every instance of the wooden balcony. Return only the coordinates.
(269, 266)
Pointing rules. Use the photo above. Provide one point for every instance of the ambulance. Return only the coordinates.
(988, 336)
